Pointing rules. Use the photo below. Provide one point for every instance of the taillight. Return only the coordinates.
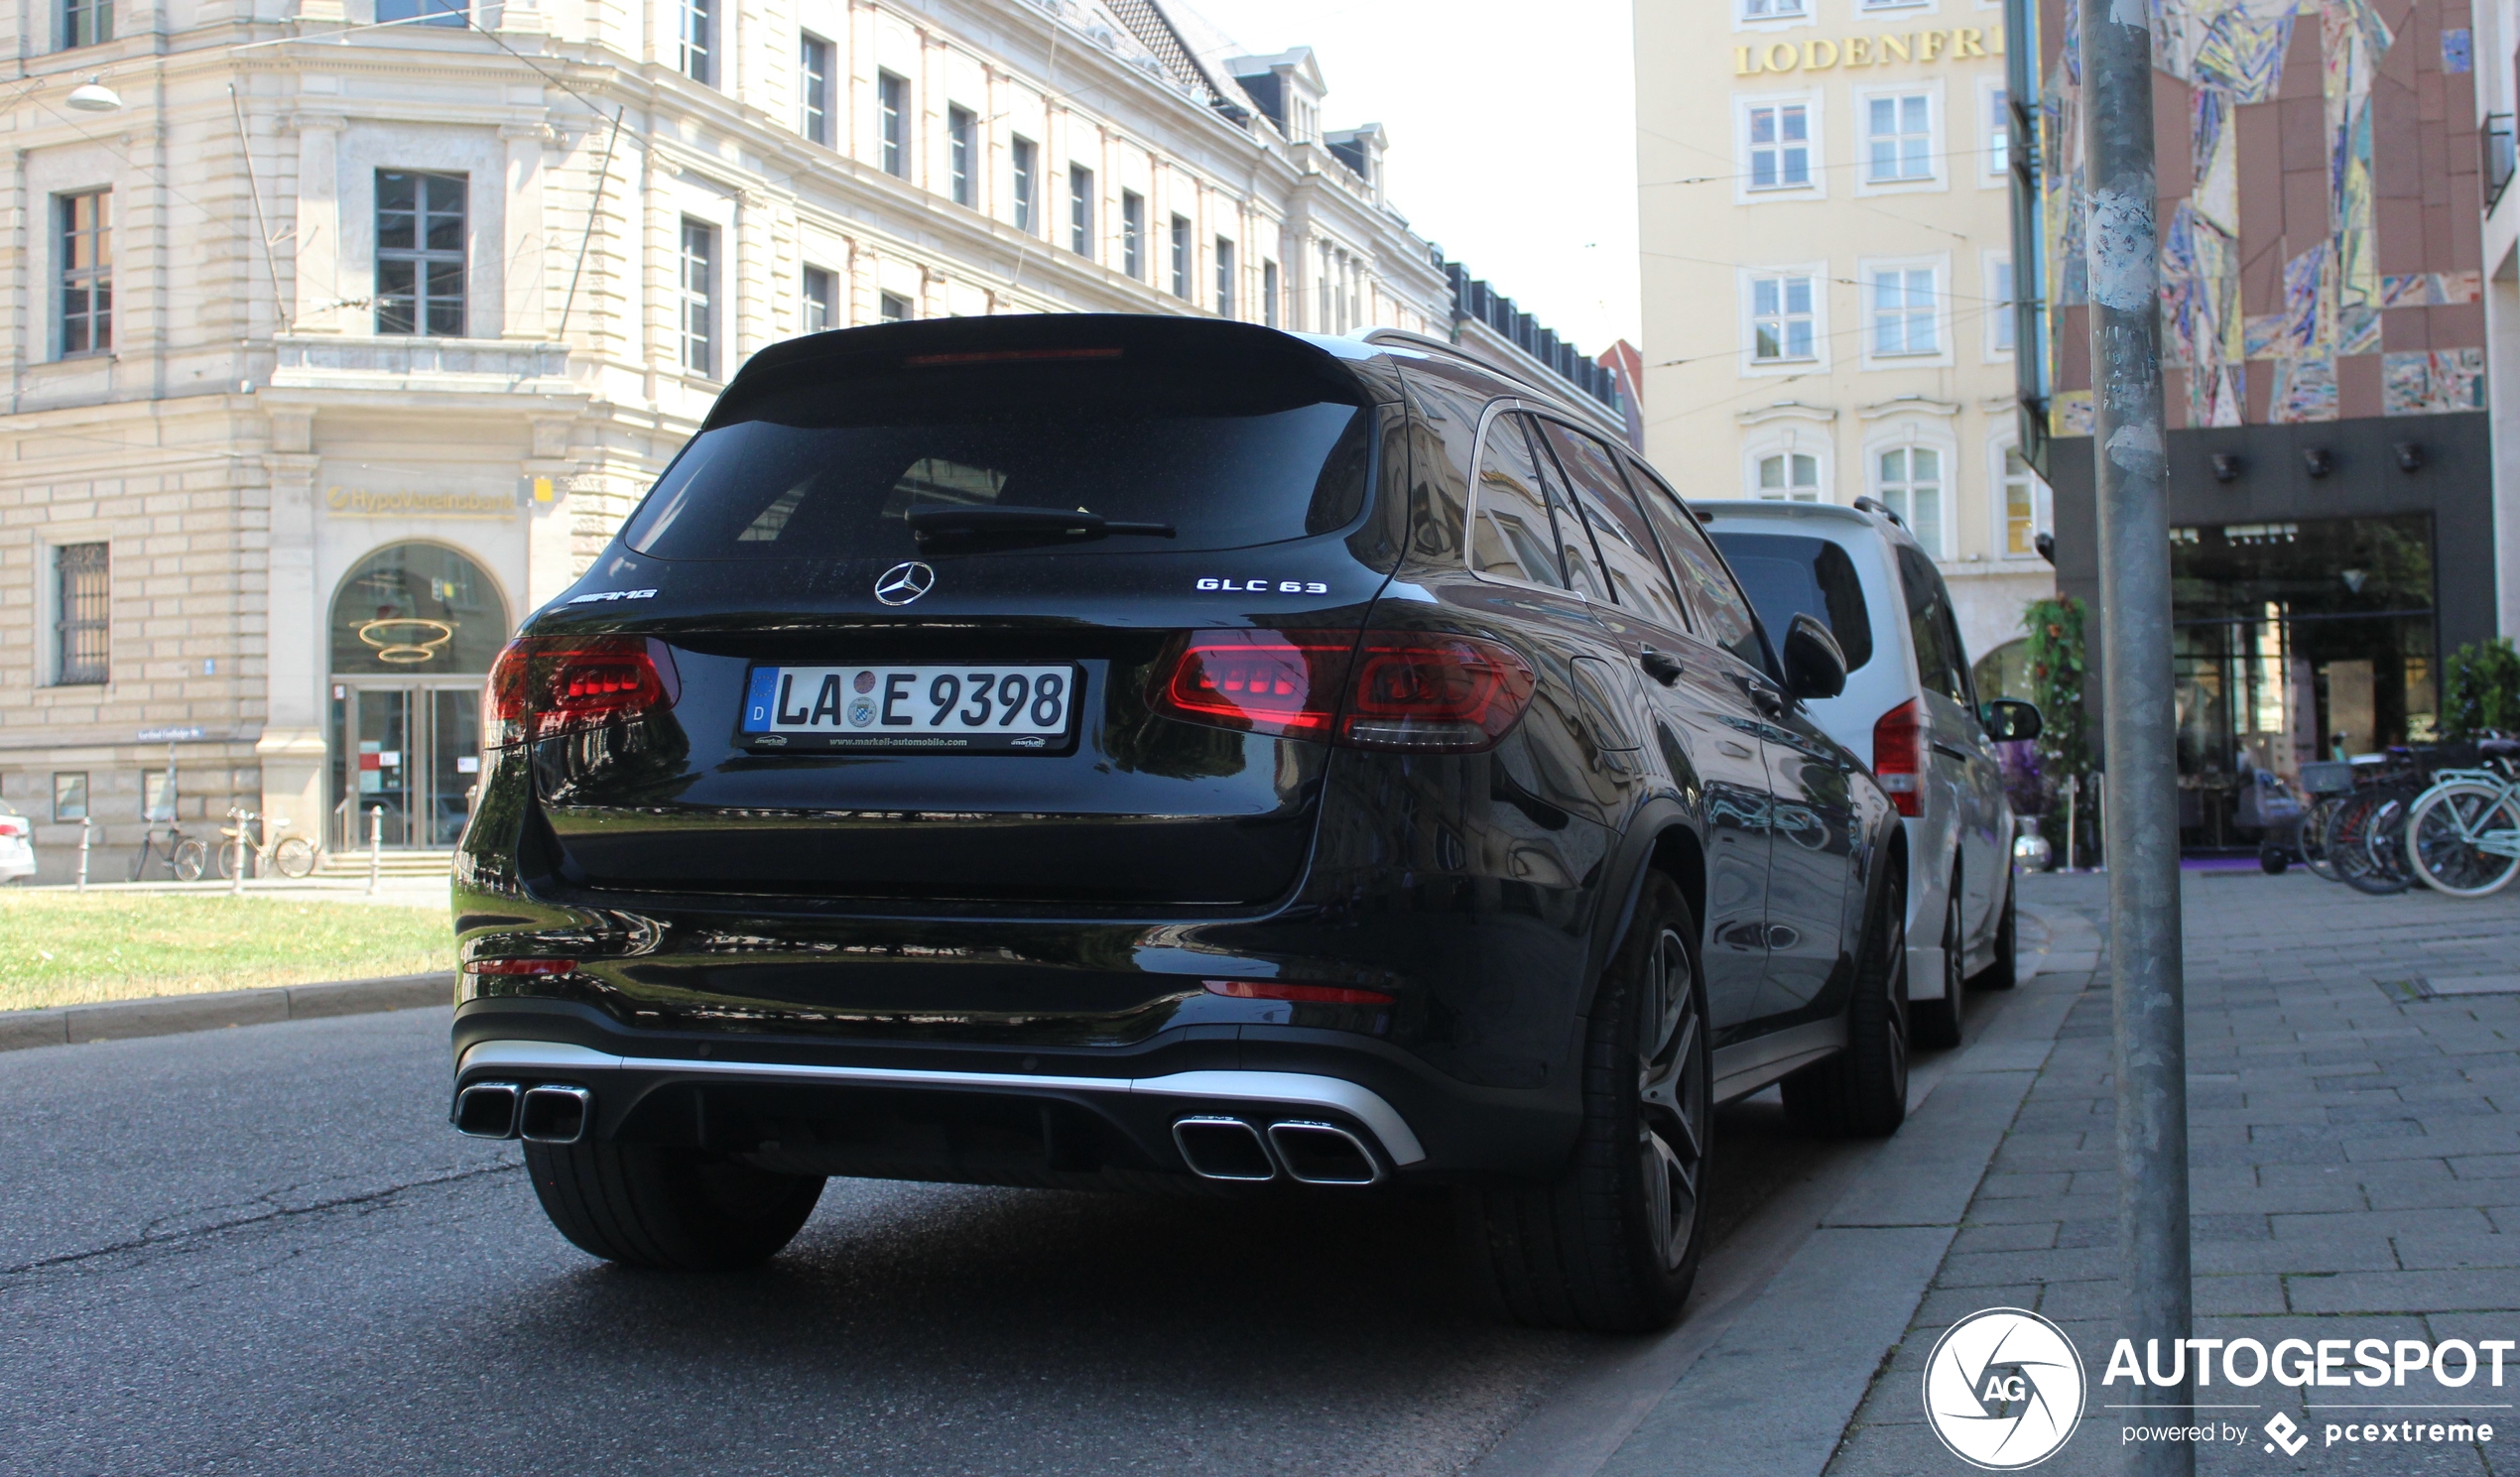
(11, 825)
(545, 686)
(1898, 755)
(1386, 690)
(1268, 989)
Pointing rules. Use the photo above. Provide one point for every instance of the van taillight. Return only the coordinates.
(1386, 690)
(545, 686)
(1898, 755)
(11, 825)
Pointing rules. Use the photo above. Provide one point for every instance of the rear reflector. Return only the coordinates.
(545, 686)
(520, 966)
(1898, 755)
(1385, 690)
(1261, 989)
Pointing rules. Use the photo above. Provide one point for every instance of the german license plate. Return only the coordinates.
(975, 708)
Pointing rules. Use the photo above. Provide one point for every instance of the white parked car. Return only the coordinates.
(17, 845)
(1910, 709)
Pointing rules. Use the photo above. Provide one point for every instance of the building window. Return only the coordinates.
(821, 301)
(1181, 257)
(1901, 133)
(1133, 233)
(1081, 210)
(422, 12)
(699, 42)
(1025, 174)
(2026, 507)
(420, 253)
(1773, 10)
(892, 122)
(1998, 133)
(82, 596)
(85, 22)
(87, 271)
(813, 89)
(1903, 312)
(1269, 294)
(893, 306)
(70, 796)
(1781, 146)
(1911, 483)
(2003, 322)
(1224, 278)
(1780, 319)
(962, 135)
(700, 297)
(1790, 477)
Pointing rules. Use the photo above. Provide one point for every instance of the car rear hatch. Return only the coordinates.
(906, 601)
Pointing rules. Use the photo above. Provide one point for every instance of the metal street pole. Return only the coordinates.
(2139, 806)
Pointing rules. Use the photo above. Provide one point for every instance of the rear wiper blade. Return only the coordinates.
(927, 525)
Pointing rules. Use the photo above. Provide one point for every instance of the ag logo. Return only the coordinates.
(2003, 1389)
(903, 583)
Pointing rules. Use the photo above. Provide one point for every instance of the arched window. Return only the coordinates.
(1910, 480)
(1790, 477)
(418, 610)
(2026, 508)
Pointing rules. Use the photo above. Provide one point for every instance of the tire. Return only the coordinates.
(668, 1209)
(295, 857)
(2005, 972)
(1938, 1023)
(2316, 827)
(2271, 861)
(1862, 1091)
(1612, 1244)
(2360, 863)
(192, 859)
(227, 860)
(2437, 845)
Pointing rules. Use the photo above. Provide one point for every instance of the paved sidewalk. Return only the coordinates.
(2354, 1131)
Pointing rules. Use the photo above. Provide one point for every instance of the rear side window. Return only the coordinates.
(1510, 533)
(1634, 571)
(1941, 664)
(1574, 547)
(831, 470)
(1715, 601)
(1791, 575)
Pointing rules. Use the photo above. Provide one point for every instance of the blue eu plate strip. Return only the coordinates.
(765, 691)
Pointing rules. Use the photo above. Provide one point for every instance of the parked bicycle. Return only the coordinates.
(186, 858)
(2462, 835)
(291, 856)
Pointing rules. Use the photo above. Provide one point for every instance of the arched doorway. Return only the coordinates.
(414, 631)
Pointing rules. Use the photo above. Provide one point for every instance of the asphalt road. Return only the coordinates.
(262, 1250)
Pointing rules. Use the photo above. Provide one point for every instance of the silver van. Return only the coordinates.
(1910, 710)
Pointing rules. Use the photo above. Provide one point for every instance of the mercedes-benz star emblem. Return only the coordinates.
(903, 583)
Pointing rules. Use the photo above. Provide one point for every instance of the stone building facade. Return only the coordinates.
(349, 337)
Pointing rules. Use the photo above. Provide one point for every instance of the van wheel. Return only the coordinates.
(669, 1209)
(1862, 1091)
(1936, 1023)
(1612, 1245)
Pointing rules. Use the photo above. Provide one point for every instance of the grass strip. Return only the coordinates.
(64, 949)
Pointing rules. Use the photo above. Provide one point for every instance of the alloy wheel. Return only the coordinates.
(1673, 1099)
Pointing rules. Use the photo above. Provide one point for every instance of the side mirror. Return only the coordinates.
(2008, 720)
(1813, 665)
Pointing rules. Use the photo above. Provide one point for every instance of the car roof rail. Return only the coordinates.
(1581, 405)
(1876, 505)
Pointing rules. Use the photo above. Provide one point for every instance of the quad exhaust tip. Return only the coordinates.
(548, 1114)
(1308, 1152)
(486, 1110)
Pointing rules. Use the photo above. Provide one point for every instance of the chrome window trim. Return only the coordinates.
(1507, 404)
(1299, 1088)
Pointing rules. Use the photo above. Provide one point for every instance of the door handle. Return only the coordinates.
(1662, 667)
(1738, 751)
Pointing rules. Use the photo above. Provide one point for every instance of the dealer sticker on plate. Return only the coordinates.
(934, 709)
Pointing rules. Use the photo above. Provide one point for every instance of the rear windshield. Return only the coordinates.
(831, 470)
(1789, 575)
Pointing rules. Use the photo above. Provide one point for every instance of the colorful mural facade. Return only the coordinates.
(2320, 198)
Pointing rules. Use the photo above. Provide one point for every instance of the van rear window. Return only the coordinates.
(832, 470)
(1790, 574)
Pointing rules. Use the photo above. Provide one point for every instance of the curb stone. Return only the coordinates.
(174, 1015)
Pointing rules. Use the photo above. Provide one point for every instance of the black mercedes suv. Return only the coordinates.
(1140, 752)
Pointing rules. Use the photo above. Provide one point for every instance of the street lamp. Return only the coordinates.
(94, 96)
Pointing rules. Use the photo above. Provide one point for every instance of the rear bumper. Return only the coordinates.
(1030, 1118)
